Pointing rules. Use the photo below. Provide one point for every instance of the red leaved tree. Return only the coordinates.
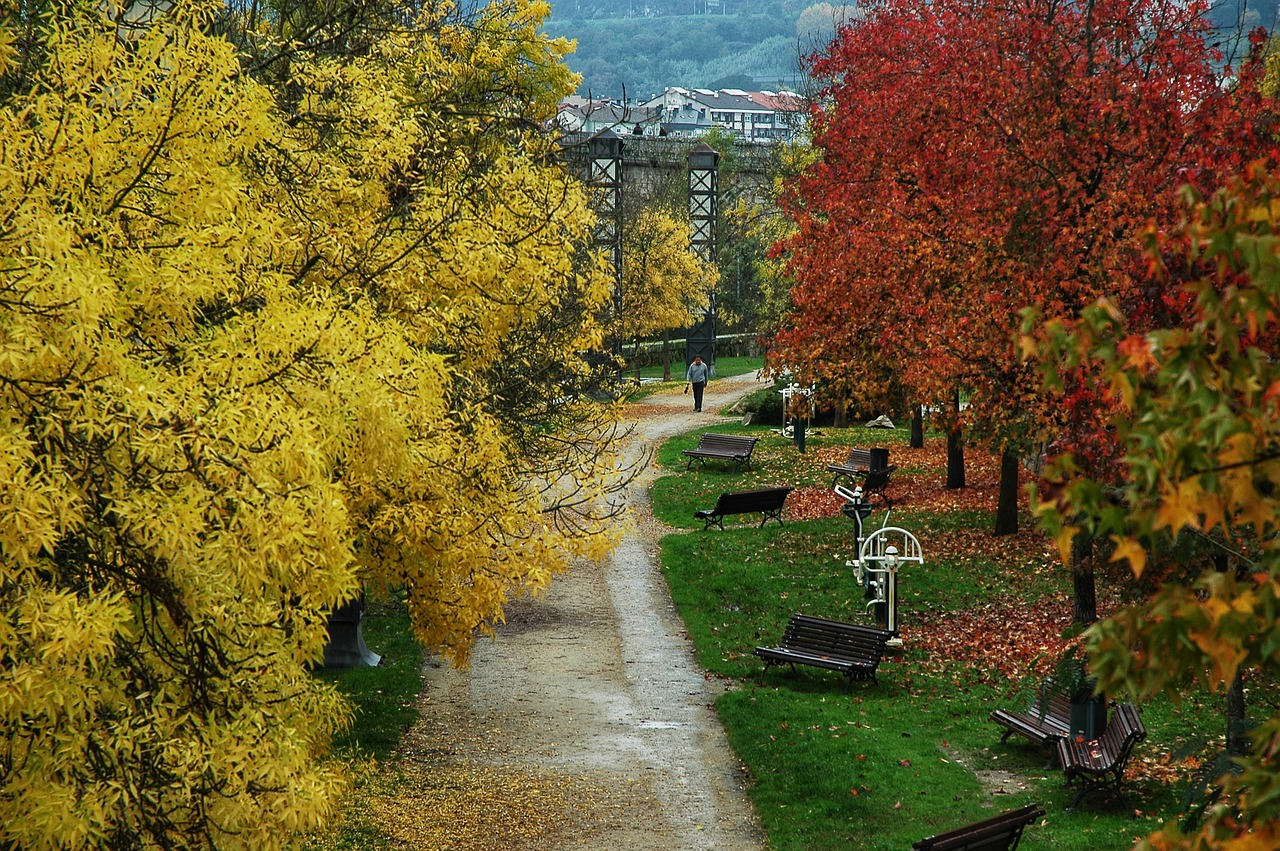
(982, 158)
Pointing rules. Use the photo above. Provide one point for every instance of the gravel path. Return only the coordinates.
(592, 695)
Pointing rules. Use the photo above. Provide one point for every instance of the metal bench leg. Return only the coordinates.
(1089, 786)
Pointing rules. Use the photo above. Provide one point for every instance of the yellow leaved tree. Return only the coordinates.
(664, 284)
(429, 197)
(172, 531)
(288, 305)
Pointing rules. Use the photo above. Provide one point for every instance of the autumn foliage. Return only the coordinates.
(988, 167)
(1196, 425)
(290, 304)
(981, 158)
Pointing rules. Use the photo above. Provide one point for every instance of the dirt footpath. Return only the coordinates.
(586, 724)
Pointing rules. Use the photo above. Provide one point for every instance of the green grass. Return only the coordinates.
(725, 367)
(384, 702)
(775, 460)
(882, 765)
(383, 698)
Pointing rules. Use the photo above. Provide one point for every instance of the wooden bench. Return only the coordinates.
(726, 447)
(875, 483)
(858, 462)
(768, 501)
(1002, 832)
(1099, 763)
(852, 649)
(1046, 720)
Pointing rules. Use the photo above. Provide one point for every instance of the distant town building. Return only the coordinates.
(752, 116)
(589, 116)
(689, 113)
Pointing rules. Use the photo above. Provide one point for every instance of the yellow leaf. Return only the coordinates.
(1180, 506)
(1129, 548)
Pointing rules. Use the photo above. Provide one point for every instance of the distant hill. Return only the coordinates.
(645, 55)
(647, 45)
(643, 46)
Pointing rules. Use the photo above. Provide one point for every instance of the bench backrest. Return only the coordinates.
(868, 459)
(1051, 702)
(834, 638)
(741, 502)
(998, 833)
(736, 443)
(877, 479)
(1124, 730)
(858, 458)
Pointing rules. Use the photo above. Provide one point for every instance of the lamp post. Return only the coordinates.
(604, 151)
(704, 186)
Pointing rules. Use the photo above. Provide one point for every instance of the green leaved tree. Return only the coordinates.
(1193, 409)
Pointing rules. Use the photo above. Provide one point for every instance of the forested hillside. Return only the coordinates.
(646, 45)
(645, 55)
(643, 46)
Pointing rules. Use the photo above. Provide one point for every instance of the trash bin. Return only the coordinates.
(1088, 716)
(346, 647)
(879, 458)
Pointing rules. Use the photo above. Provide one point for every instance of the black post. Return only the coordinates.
(704, 178)
(346, 647)
(604, 152)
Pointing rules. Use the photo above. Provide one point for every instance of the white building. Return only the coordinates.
(753, 116)
(587, 116)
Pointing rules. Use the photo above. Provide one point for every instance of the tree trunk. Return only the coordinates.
(955, 447)
(955, 458)
(1007, 508)
(636, 360)
(841, 417)
(917, 428)
(1084, 591)
(1237, 734)
(666, 355)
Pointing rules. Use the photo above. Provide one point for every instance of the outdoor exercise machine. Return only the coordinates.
(797, 410)
(879, 557)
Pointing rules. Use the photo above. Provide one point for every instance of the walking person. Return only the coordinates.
(696, 377)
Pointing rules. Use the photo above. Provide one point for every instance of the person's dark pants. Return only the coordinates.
(698, 387)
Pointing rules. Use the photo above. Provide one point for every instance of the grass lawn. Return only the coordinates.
(880, 766)
(384, 700)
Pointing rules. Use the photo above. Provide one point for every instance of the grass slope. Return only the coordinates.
(880, 766)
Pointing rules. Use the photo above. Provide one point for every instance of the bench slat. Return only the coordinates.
(1045, 721)
(769, 501)
(853, 649)
(1001, 832)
